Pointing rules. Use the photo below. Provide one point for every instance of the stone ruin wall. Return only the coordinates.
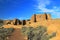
(40, 17)
(34, 18)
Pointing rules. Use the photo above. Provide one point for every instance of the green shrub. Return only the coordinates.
(5, 32)
(39, 33)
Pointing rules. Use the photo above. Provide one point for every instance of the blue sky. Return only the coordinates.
(24, 9)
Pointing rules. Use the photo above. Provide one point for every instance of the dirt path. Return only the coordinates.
(17, 35)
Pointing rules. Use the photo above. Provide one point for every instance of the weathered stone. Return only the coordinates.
(49, 16)
(33, 18)
(40, 17)
(7, 22)
(16, 22)
(23, 22)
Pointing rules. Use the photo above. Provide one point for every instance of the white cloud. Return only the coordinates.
(42, 7)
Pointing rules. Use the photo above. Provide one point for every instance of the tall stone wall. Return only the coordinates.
(49, 16)
(33, 18)
(40, 17)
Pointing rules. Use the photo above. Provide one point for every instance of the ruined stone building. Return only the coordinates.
(53, 25)
(34, 18)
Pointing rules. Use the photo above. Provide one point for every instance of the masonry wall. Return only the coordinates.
(40, 17)
(34, 18)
